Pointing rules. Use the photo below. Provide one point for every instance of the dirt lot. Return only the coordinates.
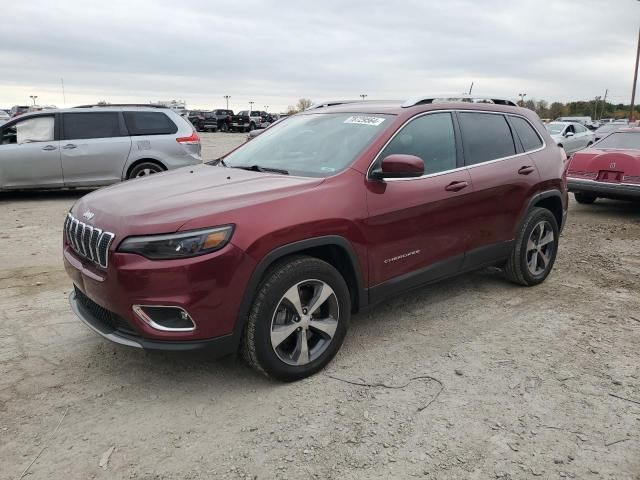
(531, 383)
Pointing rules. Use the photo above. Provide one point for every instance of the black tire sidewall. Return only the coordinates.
(142, 166)
(267, 301)
(536, 216)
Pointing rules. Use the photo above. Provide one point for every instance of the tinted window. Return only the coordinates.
(149, 123)
(580, 128)
(485, 136)
(430, 137)
(528, 136)
(79, 126)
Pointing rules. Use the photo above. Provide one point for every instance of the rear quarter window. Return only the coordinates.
(82, 126)
(149, 123)
(485, 137)
(526, 133)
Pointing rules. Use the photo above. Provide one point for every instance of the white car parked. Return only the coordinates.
(571, 136)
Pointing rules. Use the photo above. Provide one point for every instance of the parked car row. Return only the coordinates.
(224, 120)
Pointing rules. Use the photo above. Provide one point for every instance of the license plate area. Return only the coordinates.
(610, 176)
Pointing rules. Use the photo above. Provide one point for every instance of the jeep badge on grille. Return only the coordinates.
(88, 214)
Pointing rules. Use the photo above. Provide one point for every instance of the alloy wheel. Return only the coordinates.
(146, 171)
(540, 248)
(305, 322)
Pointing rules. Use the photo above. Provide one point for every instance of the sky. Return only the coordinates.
(273, 52)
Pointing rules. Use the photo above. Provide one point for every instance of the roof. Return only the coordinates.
(101, 108)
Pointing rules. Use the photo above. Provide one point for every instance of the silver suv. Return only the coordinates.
(93, 146)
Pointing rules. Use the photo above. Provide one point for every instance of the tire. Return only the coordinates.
(224, 127)
(272, 344)
(584, 198)
(531, 260)
(145, 169)
(252, 126)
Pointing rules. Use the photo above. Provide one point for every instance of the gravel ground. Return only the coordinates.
(470, 378)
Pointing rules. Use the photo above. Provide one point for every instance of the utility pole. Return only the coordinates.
(227, 97)
(595, 108)
(604, 102)
(522, 95)
(635, 79)
(64, 97)
(470, 88)
(363, 96)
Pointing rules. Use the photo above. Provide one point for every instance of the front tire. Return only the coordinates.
(584, 198)
(535, 249)
(298, 319)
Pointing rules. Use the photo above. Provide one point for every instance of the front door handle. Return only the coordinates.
(49, 147)
(69, 146)
(456, 186)
(526, 170)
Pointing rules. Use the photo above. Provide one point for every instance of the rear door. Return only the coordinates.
(94, 146)
(417, 227)
(30, 153)
(504, 178)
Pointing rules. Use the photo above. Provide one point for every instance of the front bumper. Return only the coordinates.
(210, 288)
(604, 189)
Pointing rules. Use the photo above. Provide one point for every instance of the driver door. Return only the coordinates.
(30, 153)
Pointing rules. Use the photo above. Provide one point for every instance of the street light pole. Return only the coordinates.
(33, 97)
(595, 108)
(227, 97)
(635, 80)
(522, 95)
(266, 108)
(363, 96)
(251, 106)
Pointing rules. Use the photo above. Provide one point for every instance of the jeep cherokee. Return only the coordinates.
(273, 247)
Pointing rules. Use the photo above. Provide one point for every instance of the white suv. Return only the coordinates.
(93, 146)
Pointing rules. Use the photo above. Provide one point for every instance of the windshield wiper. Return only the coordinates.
(258, 168)
(218, 161)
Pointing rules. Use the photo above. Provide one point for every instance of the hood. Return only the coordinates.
(164, 202)
(595, 159)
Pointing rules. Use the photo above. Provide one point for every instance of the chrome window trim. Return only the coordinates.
(138, 310)
(444, 172)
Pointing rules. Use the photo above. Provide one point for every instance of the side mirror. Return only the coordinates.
(568, 134)
(399, 166)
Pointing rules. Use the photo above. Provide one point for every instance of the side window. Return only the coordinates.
(570, 129)
(485, 137)
(149, 123)
(38, 129)
(81, 126)
(527, 134)
(430, 137)
(580, 129)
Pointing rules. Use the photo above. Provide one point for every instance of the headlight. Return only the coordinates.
(178, 245)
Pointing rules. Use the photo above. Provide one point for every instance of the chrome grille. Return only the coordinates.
(87, 241)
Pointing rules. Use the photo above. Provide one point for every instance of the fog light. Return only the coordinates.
(165, 318)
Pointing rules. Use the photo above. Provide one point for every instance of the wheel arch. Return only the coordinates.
(143, 160)
(333, 249)
(550, 200)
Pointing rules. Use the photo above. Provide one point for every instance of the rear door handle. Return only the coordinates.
(456, 186)
(526, 170)
(49, 147)
(69, 146)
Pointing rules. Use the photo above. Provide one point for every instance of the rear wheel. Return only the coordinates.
(535, 249)
(145, 169)
(298, 320)
(584, 198)
(252, 126)
(224, 127)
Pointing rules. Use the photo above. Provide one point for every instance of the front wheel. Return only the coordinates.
(535, 249)
(584, 198)
(145, 169)
(298, 320)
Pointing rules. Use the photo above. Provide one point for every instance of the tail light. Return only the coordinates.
(194, 139)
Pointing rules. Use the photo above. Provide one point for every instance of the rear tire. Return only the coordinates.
(145, 169)
(224, 127)
(535, 248)
(585, 198)
(290, 340)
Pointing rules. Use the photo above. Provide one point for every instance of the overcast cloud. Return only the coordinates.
(274, 52)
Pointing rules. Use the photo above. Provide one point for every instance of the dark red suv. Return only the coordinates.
(273, 247)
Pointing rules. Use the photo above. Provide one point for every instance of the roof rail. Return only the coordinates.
(150, 105)
(426, 99)
(331, 103)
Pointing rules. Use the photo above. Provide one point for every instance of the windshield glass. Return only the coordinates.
(314, 145)
(624, 140)
(555, 128)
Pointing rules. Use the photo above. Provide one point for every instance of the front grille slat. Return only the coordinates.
(88, 241)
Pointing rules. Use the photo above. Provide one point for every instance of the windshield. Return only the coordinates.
(555, 128)
(622, 140)
(314, 145)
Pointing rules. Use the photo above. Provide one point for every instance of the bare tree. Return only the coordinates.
(303, 104)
